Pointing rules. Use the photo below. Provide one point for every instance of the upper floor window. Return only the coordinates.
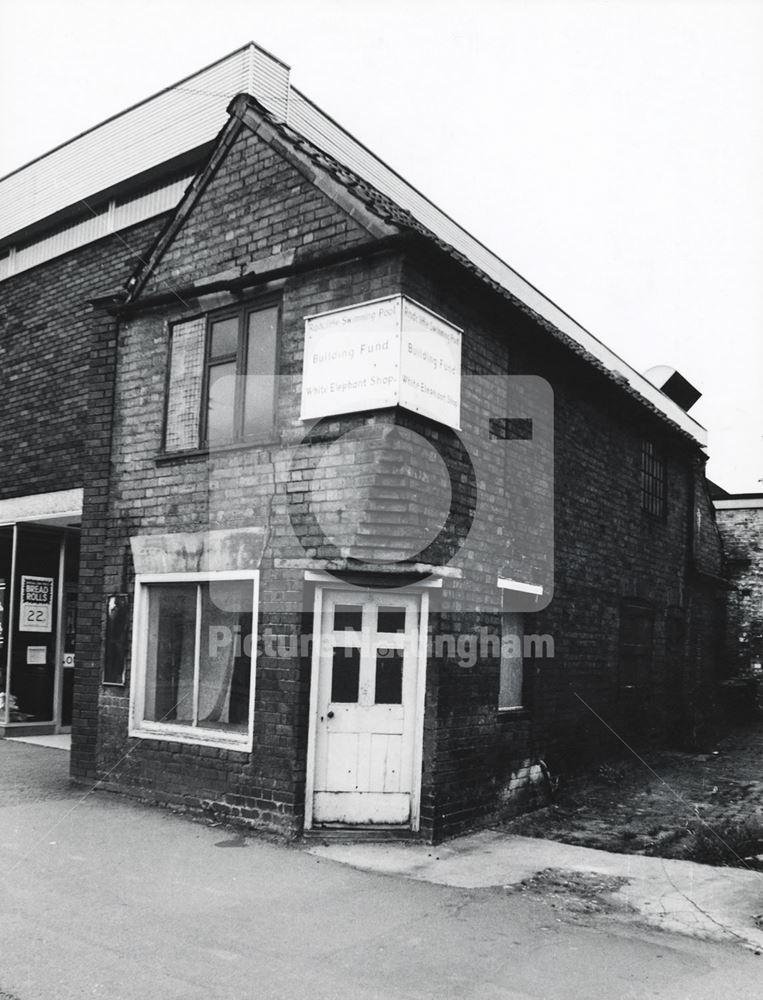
(653, 479)
(222, 382)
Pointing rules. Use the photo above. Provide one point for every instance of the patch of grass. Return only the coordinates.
(733, 843)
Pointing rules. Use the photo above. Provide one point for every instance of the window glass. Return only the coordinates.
(231, 395)
(348, 617)
(259, 392)
(345, 675)
(391, 620)
(170, 658)
(225, 654)
(198, 669)
(389, 677)
(222, 403)
(224, 337)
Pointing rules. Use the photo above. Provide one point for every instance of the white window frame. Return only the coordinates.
(146, 729)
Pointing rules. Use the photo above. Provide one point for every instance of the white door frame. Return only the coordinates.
(323, 582)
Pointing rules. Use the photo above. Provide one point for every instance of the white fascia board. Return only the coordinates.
(42, 506)
(738, 504)
(520, 587)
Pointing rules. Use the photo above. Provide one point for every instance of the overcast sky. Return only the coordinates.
(611, 152)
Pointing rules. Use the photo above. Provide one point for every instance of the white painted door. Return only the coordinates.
(365, 728)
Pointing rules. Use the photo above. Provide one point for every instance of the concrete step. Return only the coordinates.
(335, 833)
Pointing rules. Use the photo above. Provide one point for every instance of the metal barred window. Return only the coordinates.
(652, 479)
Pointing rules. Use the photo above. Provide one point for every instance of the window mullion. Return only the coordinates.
(196, 658)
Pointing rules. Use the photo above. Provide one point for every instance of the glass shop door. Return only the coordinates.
(38, 598)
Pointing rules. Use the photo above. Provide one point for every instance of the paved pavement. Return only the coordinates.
(718, 904)
(102, 897)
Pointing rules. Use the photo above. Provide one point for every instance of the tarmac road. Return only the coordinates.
(101, 897)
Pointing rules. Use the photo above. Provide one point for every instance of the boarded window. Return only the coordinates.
(512, 661)
(636, 646)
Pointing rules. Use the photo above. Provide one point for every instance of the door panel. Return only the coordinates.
(366, 711)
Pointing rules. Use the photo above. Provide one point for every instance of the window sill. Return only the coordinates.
(167, 457)
(176, 734)
(518, 712)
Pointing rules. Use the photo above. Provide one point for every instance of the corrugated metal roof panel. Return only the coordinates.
(118, 215)
(154, 202)
(63, 241)
(269, 82)
(180, 118)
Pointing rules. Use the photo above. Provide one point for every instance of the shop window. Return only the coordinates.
(193, 657)
(511, 683)
(653, 479)
(221, 385)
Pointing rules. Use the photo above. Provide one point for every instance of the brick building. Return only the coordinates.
(740, 522)
(372, 532)
(73, 224)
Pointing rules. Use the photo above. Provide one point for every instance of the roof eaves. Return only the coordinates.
(391, 212)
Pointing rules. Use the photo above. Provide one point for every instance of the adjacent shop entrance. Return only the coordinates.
(39, 568)
(367, 708)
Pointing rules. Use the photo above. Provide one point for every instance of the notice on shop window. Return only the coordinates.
(36, 606)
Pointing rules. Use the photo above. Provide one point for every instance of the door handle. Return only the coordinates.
(329, 715)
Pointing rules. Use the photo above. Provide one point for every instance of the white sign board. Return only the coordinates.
(378, 354)
(430, 381)
(36, 610)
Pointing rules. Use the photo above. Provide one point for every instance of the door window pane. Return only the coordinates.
(389, 677)
(391, 620)
(348, 617)
(345, 675)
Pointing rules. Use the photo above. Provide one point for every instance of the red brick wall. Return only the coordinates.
(255, 206)
(45, 361)
(742, 533)
(607, 550)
